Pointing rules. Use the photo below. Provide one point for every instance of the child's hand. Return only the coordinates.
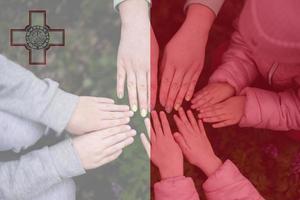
(165, 152)
(194, 143)
(93, 113)
(226, 113)
(100, 147)
(211, 94)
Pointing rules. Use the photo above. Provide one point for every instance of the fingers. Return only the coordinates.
(184, 119)
(166, 80)
(119, 146)
(114, 139)
(104, 100)
(147, 124)
(109, 158)
(223, 124)
(201, 127)
(180, 125)
(212, 112)
(142, 93)
(116, 115)
(193, 82)
(193, 121)
(215, 119)
(152, 81)
(165, 124)
(112, 131)
(181, 141)
(145, 143)
(113, 107)
(113, 122)
(203, 102)
(121, 76)
(173, 91)
(183, 90)
(132, 93)
(156, 124)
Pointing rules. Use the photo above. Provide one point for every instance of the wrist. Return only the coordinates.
(200, 18)
(211, 165)
(171, 172)
(134, 12)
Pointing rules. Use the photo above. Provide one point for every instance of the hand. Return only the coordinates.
(93, 113)
(144, 139)
(183, 58)
(134, 60)
(100, 147)
(194, 143)
(165, 152)
(226, 113)
(211, 94)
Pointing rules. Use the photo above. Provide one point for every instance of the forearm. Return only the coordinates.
(134, 13)
(21, 179)
(25, 95)
(200, 19)
(271, 110)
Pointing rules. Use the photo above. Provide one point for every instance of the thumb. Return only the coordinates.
(180, 140)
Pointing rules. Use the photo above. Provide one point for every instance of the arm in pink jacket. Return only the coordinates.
(179, 188)
(276, 111)
(238, 69)
(227, 183)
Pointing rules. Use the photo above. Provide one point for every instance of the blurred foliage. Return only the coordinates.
(85, 66)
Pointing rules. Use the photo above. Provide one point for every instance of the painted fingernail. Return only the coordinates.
(143, 112)
(120, 95)
(134, 108)
(177, 105)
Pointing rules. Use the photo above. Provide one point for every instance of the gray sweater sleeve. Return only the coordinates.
(214, 5)
(25, 95)
(37, 171)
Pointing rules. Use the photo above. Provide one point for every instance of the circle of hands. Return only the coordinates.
(137, 70)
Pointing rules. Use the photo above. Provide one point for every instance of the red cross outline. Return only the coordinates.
(44, 51)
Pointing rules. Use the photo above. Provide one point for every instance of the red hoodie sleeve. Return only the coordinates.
(270, 110)
(228, 183)
(238, 69)
(181, 188)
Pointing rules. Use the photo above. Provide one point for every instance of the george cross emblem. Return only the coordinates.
(37, 37)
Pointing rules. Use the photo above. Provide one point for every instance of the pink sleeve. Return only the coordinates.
(238, 69)
(181, 188)
(228, 183)
(270, 110)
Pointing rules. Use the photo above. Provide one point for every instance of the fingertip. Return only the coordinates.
(144, 112)
(134, 108)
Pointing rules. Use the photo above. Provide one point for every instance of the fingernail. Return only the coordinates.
(128, 127)
(133, 132)
(143, 112)
(177, 105)
(188, 98)
(131, 113)
(127, 120)
(134, 108)
(120, 95)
